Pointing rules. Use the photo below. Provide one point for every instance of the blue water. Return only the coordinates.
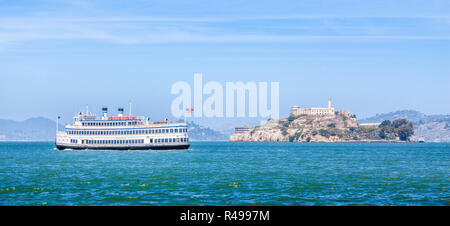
(222, 173)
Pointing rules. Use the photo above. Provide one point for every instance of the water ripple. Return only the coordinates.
(221, 173)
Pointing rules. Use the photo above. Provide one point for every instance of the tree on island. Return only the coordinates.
(385, 123)
(292, 117)
(401, 127)
(404, 128)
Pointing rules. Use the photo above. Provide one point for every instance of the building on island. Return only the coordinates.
(296, 111)
(375, 124)
(344, 112)
(242, 129)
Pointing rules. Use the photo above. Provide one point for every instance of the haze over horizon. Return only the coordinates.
(370, 57)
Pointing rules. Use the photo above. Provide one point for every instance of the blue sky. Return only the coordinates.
(369, 56)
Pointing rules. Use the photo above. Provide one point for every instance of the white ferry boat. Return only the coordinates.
(121, 133)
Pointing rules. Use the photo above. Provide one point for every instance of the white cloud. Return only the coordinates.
(149, 30)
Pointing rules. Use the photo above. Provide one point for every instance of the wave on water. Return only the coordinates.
(222, 173)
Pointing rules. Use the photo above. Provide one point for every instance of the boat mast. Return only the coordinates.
(130, 108)
(57, 119)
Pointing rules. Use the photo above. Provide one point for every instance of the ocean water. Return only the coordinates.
(222, 173)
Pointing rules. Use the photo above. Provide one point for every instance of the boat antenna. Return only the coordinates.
(87, 109)
(57, 122)
(130, 107)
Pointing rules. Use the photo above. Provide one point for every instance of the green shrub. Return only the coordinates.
(385, 123)
(295, 137)
(324, 133)
(284, 131)
(405, 131)
(368, 129)
(292, 117)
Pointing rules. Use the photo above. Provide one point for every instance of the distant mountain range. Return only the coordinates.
(33, 129)
(430, 128)
(412, 116)
(43, 129)
(201, 133)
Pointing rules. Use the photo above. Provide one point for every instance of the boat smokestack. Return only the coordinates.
(120, 111)
(105, 112)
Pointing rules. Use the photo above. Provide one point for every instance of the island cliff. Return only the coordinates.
(338, 127)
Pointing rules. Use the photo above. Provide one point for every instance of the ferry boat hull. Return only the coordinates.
(147, 147)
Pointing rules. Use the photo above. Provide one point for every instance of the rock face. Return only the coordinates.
(314, 128)
(270, 132)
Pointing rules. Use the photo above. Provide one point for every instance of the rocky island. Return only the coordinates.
(324, 125)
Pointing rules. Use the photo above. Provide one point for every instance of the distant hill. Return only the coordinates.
(430, 128)
(43, 129)
(201, 133)
(412, 116)
(33, 129)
